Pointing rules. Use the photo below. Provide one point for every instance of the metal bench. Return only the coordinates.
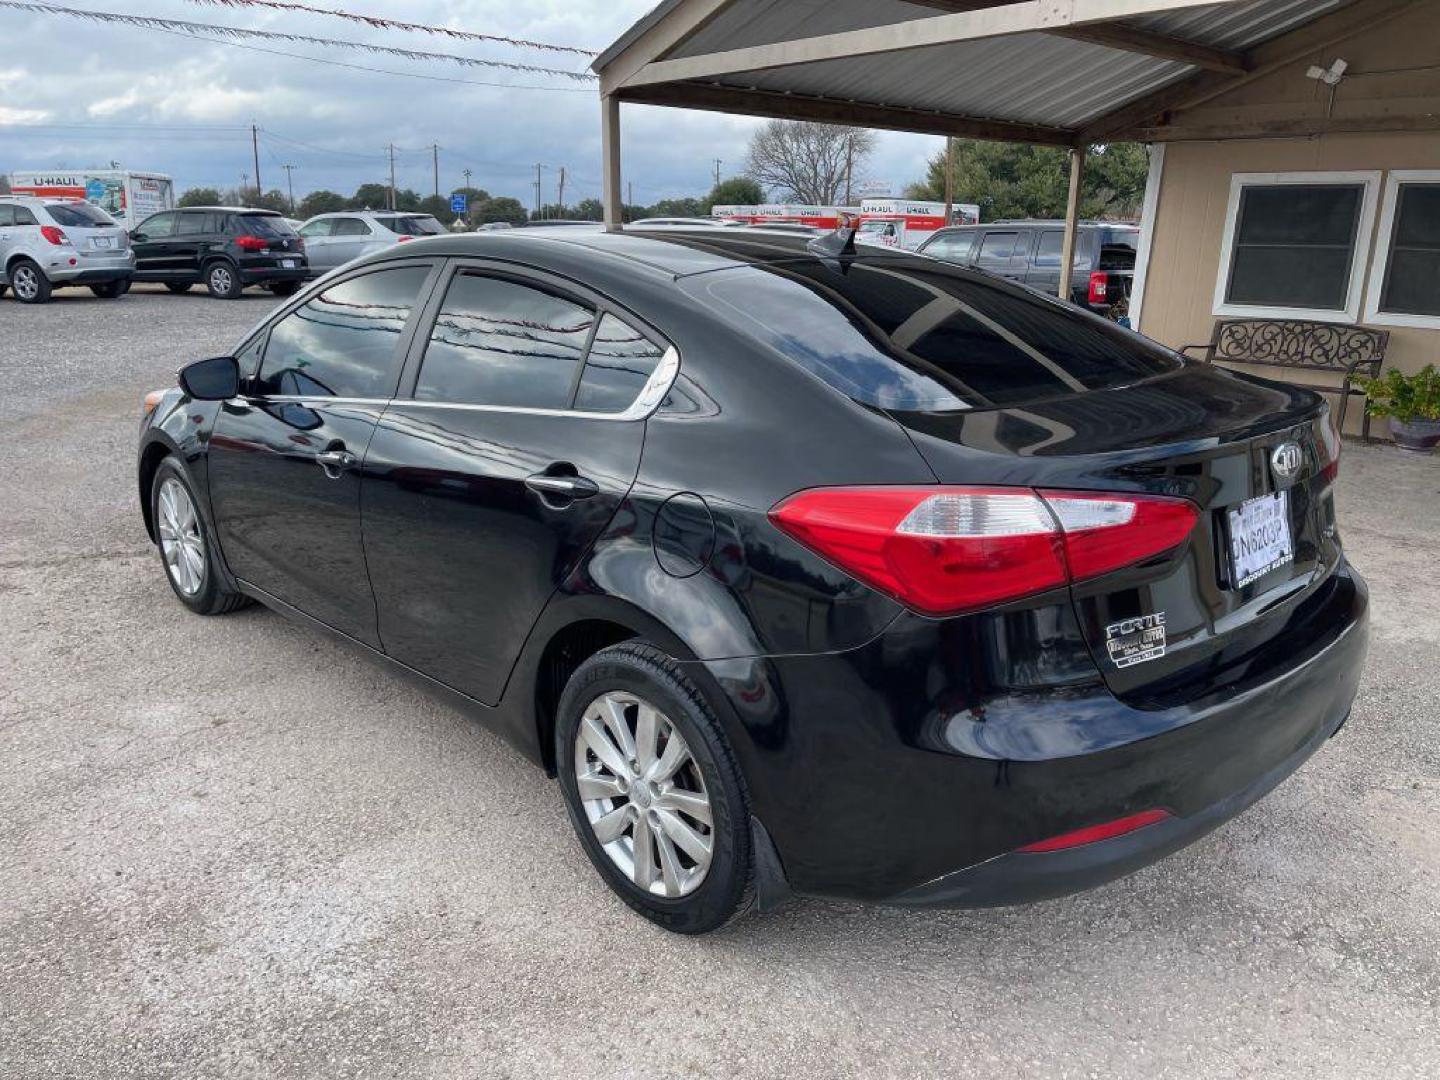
(1299, 344)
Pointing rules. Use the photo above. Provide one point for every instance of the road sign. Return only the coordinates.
(458, 202)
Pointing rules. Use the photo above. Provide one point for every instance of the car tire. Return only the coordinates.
(179, 286)
(222, 280)
(696, 876)
(29, 282)
(284, 288)
(187, 550)
(109, 290)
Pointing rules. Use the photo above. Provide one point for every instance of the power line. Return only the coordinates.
(382, 71)
(215, 31)
(376, 22)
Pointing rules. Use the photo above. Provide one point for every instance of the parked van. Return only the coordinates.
(128, 197)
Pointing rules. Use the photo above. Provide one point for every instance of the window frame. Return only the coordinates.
(1385, 247)
(651, 395)
(1368, 180)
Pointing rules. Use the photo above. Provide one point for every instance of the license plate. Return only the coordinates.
(1260, 537)
(100, 241)
(287, 264)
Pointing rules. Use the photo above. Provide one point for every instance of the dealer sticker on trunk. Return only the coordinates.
(1134, 641)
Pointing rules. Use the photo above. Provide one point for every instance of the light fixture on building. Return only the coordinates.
(1330, 76)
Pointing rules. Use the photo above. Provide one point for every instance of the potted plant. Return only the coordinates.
(1412, 402)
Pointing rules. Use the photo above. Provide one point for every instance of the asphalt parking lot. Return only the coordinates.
(229, 847)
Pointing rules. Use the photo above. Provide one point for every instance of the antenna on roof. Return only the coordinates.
(839, 244)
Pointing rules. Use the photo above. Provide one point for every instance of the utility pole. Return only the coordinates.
(466, 173)
(255, 146)
(561, 198)
(629, 192)
(717, 172)
(435, 159)
(244, 185)
(949, 177)
(391, 148)
(538, 167)
(290, 186)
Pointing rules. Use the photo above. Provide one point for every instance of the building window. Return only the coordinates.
(1295, 244)
(1405, 282)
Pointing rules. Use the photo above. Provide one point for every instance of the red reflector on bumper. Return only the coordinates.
(1093, 833)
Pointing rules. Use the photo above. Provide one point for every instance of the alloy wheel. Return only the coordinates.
(643, 794)
(25, 283)
(181, 541)
(220, 280)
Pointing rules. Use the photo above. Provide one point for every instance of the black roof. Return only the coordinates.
(675, 252)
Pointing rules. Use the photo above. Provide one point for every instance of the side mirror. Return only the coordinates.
(215, 379)
(138, 236)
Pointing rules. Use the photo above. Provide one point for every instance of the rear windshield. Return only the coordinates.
(908, 336)
(79, 215)
(264, 225)
(412, 226)
(1117, 249)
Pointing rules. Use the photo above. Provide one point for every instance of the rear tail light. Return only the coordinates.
(1330, 439)
(251, 243)
(299, 243)
(948, 550)
(1093, 833)
(55, 235)
(1099, 287)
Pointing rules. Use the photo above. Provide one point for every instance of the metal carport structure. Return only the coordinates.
(1068, 73)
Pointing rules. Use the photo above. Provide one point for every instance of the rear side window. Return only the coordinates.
(264, 225)
(198, 224)
(79, 215)
(500, 342)
(919, 336)
(1048, 252)
(617, 367)
(343, 342)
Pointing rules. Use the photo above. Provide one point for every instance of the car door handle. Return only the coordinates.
(562, 487)
(335, 461)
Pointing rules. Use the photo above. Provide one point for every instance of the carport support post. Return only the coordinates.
(1072, 220)
(610, 161)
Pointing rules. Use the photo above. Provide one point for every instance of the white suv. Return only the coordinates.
(49, 243)
(332, 240)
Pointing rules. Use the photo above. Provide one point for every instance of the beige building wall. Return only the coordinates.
(1189, 223)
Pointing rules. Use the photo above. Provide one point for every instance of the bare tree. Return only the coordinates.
(808, 162)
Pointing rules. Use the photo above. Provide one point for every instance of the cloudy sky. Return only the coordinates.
(74, 94)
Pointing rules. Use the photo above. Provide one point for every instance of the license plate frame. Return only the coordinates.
(101, 243)
(287, 264)
(1259, 537)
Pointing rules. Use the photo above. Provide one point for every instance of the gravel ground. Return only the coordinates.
(229, 847)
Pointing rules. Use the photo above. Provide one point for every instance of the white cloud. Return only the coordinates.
(174, 104)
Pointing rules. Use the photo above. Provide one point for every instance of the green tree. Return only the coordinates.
(503, 208)
(370, 197)
(322, 202)
(407, 200)
(736, 191)
(551, 210)
(686, 207)
(274, 199)
(438, 207)
(589, 210)
(1018, 180)
(200, 196)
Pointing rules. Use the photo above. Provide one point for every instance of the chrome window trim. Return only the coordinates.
(645, 403)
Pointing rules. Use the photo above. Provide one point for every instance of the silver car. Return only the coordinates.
(48, 243)
(332, 240)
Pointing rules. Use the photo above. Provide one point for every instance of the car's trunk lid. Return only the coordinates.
(1203, 612)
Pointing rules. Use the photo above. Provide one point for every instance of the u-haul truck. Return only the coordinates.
(128, 197)
(820, 217)
(908, 223)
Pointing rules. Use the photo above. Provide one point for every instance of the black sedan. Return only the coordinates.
(853, 575)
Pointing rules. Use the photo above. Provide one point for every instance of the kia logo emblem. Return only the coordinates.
(1285, 462)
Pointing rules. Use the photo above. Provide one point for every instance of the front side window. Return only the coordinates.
(7, 214)
(955, 247)
(500, 342)
(159, 226)
(198, 224)
(24, 216)
(1408, 259)
(1293, 245)
(349, 226)
(318, 228)
(345, 341)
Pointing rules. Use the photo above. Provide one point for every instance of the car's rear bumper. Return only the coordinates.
(252, 274)
(97, 275)
(908, 771)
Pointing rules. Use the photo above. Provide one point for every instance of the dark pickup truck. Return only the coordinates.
(1029, 252)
